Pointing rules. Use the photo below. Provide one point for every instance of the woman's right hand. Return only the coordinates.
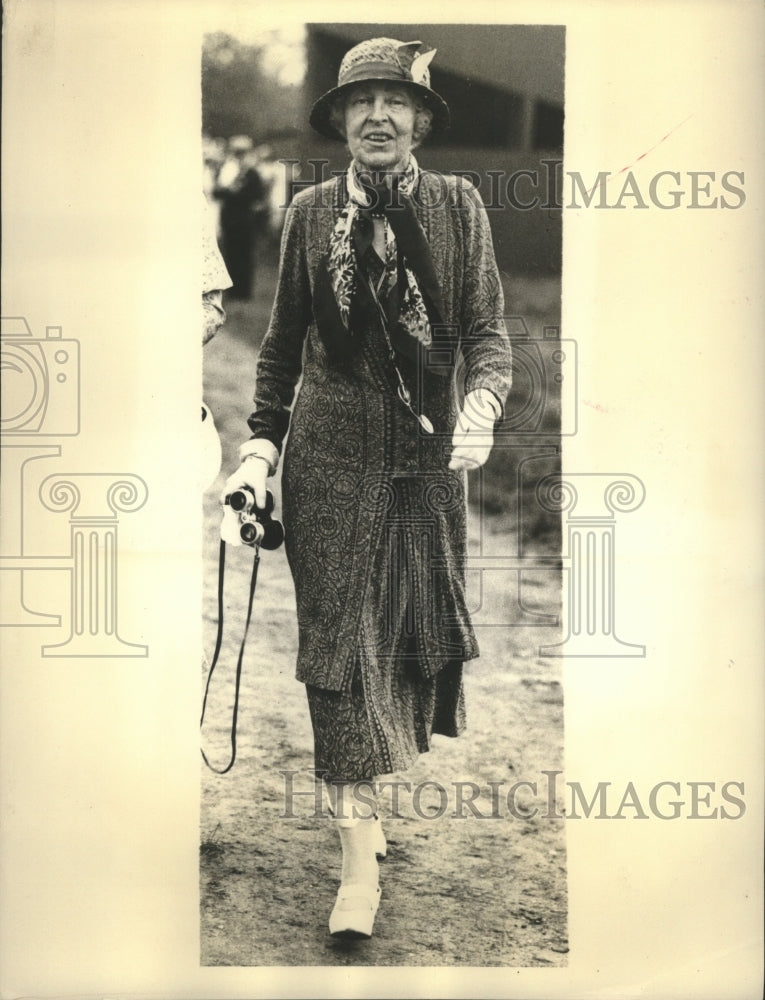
(473, 436)
(252, 475)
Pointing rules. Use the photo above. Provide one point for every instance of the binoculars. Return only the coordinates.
(244, 523)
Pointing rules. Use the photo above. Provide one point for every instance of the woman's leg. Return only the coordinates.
(361, 840)
(353, 809)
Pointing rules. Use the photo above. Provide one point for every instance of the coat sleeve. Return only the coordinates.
(486, 347)
(280, 359)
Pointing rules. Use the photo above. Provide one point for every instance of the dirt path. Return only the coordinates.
(456, 891)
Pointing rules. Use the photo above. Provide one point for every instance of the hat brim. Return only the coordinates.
(320, 117)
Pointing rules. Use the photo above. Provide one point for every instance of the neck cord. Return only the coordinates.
(403, 392)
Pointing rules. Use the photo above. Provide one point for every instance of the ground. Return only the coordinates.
(481, 890)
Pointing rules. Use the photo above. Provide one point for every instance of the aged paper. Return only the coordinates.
(99, 774)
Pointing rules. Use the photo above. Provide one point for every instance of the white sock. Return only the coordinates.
(357, 838)
(355, 818)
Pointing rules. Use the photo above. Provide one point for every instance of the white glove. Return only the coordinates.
(251, 475)
(474, 432)
(259, 459)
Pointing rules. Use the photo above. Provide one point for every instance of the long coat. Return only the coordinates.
(346, 447)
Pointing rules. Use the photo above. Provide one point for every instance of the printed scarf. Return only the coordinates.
(341, 261)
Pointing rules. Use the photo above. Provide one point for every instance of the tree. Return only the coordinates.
(239, 97)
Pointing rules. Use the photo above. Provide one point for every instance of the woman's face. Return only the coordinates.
(379, 124)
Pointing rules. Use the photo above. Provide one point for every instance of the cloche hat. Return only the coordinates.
(382, 59)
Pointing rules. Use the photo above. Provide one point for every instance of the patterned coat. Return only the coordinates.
(350, 436)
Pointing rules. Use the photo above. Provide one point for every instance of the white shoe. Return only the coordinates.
(354, 912)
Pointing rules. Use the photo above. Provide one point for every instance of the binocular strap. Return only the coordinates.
(218, 644)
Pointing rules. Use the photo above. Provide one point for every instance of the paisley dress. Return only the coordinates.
(375, 521)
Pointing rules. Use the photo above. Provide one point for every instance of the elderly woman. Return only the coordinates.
(389, 304)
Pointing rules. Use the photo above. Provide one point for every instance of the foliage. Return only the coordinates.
(239, 97)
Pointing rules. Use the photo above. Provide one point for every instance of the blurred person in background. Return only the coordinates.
(213, 155)
(241, 194)
(278, 176)
(389, 306)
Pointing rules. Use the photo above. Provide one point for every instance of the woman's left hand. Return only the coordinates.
(474, 433)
